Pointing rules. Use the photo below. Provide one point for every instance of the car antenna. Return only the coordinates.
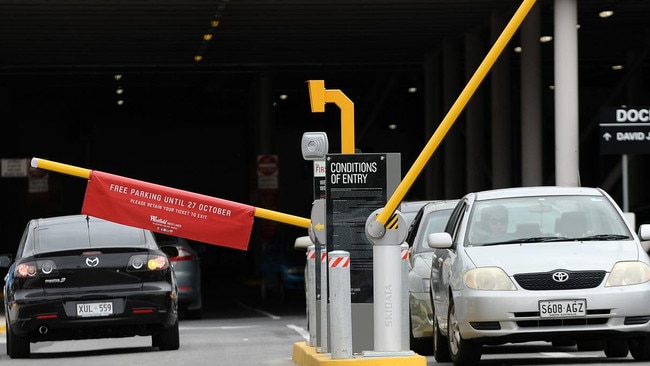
(88, 229)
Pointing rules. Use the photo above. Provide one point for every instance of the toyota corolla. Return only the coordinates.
(556, 264)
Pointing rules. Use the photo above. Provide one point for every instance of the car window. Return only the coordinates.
(434, 222)
(550, 218)
(79, 235)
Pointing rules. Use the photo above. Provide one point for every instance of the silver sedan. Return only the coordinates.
(431, 217)
(556, 264)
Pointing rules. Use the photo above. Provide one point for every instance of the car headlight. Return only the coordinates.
(488, 278)
(628, 273)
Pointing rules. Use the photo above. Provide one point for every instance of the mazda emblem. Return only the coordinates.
(92, 261)
(560, 276)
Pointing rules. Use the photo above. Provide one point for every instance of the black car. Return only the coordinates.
(81, 277)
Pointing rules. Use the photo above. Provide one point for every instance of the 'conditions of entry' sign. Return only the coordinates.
(625, 130)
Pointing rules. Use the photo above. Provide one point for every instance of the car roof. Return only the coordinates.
(412, 206)
(536, 191)
(56, 220)
(440, 205)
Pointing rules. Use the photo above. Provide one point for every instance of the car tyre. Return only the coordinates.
(440, 343)
(192, 314)
(167, 339)
(616, 347)
(461, 352)
(640, 348)
(421, 346)
(17, 346)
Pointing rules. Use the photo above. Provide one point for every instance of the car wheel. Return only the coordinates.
(440, 343)
(640, 348)
(167, 339)
(419, 345)
(192, 314)
(616, 347)
(461, 352)
(17, 346)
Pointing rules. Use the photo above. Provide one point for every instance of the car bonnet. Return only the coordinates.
(540, 257)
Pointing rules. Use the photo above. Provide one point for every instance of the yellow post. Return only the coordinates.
(319, 96)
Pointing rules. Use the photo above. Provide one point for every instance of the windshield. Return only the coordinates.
(545, 218)
(80, 235)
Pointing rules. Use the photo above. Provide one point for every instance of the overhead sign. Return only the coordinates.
(625, 130)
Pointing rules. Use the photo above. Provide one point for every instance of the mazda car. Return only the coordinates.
(555, 264)
(82, 277)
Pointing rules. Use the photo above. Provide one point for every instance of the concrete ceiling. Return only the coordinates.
(95, 37)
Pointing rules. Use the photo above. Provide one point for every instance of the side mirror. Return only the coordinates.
(302, 242)
(5, 261)
(439, 240)
(644, 232)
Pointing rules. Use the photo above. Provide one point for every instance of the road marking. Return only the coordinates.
(300, 330)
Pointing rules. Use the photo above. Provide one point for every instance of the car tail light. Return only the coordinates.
(25, 270)
(145, 262)
(157, 262)
(183, 255)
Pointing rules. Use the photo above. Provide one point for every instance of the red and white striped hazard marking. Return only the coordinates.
(311, 254)
(339, 262)
(404, 253)
(323, 257)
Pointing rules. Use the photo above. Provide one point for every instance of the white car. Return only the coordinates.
(568, 269)
(431, 217)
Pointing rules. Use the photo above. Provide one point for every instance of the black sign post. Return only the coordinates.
(358, 185)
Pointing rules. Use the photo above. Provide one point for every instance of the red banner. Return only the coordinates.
(168, 210)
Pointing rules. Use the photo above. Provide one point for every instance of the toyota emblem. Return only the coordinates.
(560, 276)
(92, 261)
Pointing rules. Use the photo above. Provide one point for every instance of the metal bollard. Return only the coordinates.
(340, 304)
(387, 302)
(406, 323)
(311, 294)
(324, 300)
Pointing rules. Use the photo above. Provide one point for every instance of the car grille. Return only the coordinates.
(540, 323)
(544, 281)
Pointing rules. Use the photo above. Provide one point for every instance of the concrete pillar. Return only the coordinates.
(565, 40)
